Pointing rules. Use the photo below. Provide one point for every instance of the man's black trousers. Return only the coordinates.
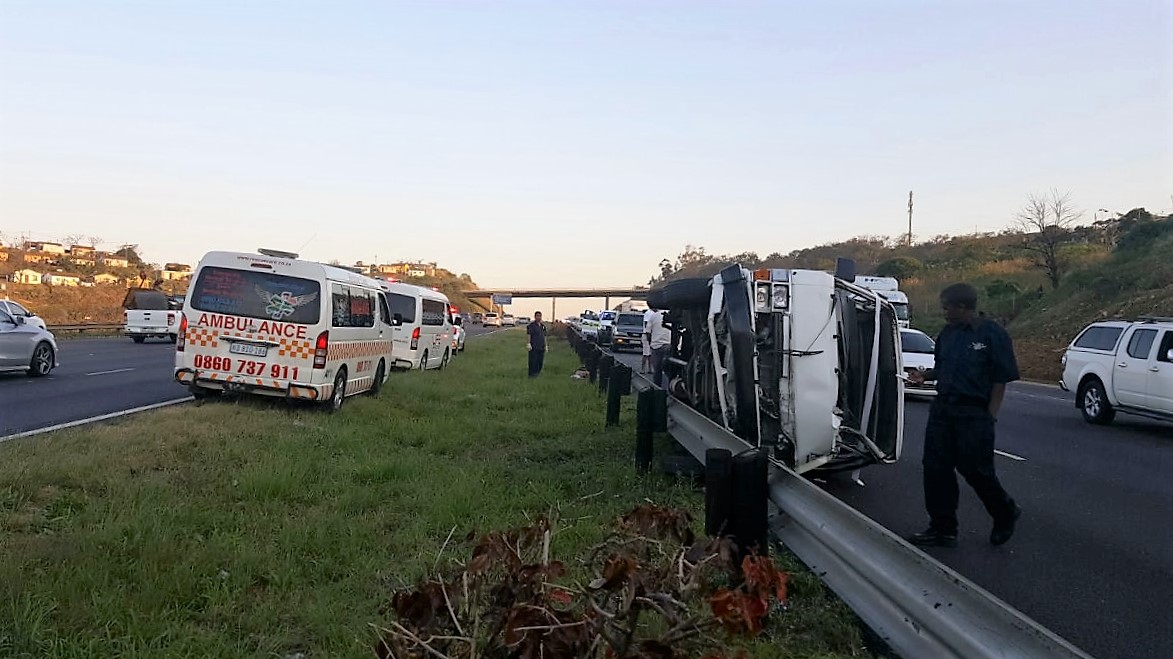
(961, 437)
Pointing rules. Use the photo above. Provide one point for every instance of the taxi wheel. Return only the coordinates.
(424, 361)
(444, 362)
(339, 393)
(377, 385)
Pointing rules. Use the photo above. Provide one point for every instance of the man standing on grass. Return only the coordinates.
(536, 344)
(974, 361)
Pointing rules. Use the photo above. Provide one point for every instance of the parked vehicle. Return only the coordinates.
(25, 346)
(423, 329)
(273, 325)
(1121, 366)
(799, 362)
(918, 353)
(589, 325)
(17, 310)
(629, 328)
(508, 321)
(478, 318)
(149, 315)
(458, 333)
(492, 320)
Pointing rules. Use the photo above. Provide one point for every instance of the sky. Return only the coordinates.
(574, 144)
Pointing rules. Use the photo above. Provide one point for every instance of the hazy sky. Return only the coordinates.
(558, 143)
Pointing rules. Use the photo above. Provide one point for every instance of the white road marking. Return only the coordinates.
(95, 419)
(117, 370)
(1010, 455)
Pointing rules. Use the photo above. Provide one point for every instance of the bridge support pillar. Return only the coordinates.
(607, 303)
(553, 309)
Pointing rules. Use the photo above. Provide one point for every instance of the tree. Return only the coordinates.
(901, 267)
(130, 253)
(1046, 221)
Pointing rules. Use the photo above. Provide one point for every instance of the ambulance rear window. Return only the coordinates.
(253, 294)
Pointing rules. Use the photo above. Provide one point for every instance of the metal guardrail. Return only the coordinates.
(920, 607)
(86, 327)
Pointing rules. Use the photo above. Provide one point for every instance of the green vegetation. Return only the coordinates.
(260, 529)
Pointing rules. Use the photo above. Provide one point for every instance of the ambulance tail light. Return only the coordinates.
(415, 338)
(321, 346)
(182, 333)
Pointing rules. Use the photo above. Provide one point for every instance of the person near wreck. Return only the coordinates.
(974, 361)
(536, 344)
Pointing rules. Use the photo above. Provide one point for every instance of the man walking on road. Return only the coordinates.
(974, 361)
(536, 344)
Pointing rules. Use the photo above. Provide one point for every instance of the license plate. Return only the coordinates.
(248, 349)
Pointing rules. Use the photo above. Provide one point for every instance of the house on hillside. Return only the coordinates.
(40, 257)
(3, 254)
(106, 278)
(26, 277)
(409, 269)
(113, 260)
(175, 272)
(60, 280)
(46, 248)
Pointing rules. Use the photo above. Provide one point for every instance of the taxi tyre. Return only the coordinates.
(424, 361)
(444, 362)
(1093, 402)
(339, 394)
(42, 360)
(377, 385)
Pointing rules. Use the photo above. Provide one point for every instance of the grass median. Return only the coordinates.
(261, 529)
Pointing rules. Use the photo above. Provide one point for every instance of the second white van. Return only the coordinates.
(423, 337)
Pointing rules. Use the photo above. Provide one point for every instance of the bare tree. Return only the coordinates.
(72, 239)
(95, 241)
(1046, 221)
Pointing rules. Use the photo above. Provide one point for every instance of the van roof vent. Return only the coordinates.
(276, 253)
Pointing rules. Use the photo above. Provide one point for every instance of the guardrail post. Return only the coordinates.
(659, 411)
(592, 363)
(718, 490)
(751, 496)
(606, 363)
(644, 430)
(620, 385)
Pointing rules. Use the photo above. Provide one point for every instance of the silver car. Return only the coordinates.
(14, 308)
(25, 346)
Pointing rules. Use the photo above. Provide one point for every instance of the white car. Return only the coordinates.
(1121, 366)
(492, 320)
(508, 321)
(17, 311)
(917, 352)
(458, 333)
(25, 346)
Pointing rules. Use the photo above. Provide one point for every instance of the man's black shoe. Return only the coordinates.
(1003, 530)
(933, 538)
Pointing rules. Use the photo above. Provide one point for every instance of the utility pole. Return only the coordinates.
(910, 218)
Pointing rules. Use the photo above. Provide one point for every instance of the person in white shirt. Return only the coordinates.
(660, 340)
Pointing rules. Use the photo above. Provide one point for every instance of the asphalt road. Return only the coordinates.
(1092, 558)
(96, 377)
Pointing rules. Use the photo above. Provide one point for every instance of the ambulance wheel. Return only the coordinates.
(138, 339)
(339, 393)
(377, 385)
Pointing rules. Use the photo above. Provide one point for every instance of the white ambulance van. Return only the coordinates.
(274, 325)
(423, 335)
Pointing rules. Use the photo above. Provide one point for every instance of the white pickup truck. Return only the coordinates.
(1124, 366)
(149, 313)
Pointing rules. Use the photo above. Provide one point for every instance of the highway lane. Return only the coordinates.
(1092, 558)
(96, 377)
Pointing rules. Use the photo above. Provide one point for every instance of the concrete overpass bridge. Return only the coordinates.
(555, 293)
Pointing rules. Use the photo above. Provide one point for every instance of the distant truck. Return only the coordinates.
(889, 289)
(150, 313)
(799, 362)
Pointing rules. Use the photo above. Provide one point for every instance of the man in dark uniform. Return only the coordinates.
(536, 344)
(974, 361)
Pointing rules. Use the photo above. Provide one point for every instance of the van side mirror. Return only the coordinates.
(397, 319)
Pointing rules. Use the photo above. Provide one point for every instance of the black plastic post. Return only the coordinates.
(748, 518)
(619, 386)
(718, 491)
(592, 363)
(606, 363)
(644, 430)
(659, 413)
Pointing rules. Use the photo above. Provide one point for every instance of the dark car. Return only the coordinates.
(628, 329)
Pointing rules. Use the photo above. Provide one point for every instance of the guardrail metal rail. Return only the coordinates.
(917, 605)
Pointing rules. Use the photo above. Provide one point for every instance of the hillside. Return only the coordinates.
(1117, 268)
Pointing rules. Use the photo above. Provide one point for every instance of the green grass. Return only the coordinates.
(257, 529)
